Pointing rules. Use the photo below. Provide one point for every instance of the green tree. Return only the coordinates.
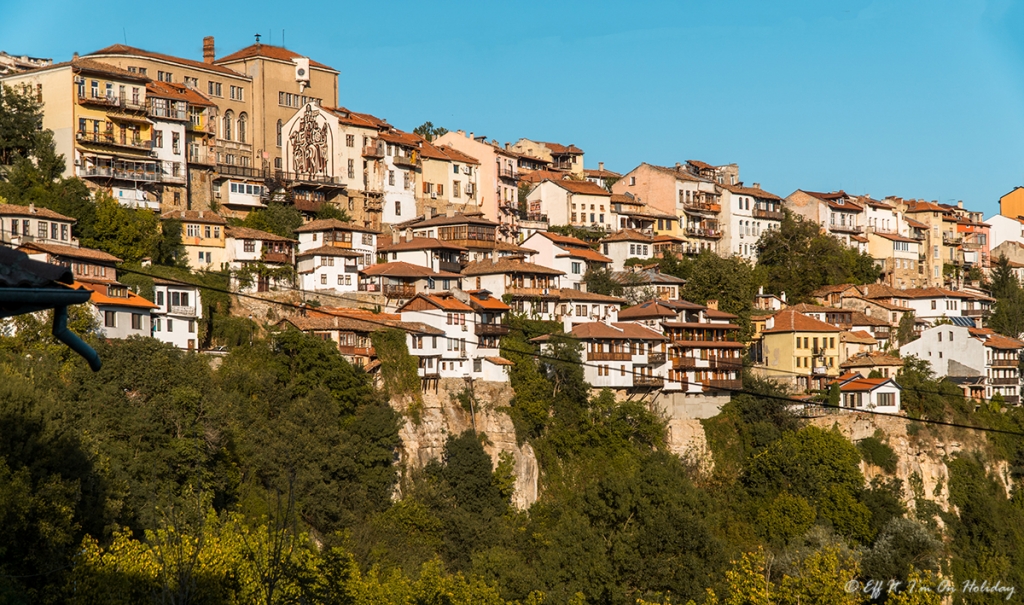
(277, 218)
(1008, 314)
(21, 119)
(128, 234)
(905, 331)
(332, 211)
(428, 131)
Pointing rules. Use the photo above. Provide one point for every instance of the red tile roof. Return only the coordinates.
(586, 254)
(121, 49)
(794, 321)
(270, 52)
(403, 269)
(751, 191)
(507, 265)
(445, 303)
(247, 233)
(865, 384)
(36, 211)
(419, 243)
(557, 149)
(333, 224)
(178, 92)
(628, 235)
(457, 156)
(70, 252)
(100, 297)
(582, 187)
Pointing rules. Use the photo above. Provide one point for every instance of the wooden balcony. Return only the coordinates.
(373, 151)
(723, 384)
(591, 356)
(771, 215)
(357, 351)
(506, 173)
(648, 381)
(1004, 382)
(277, 257)
(702, 207)
(405, 161)
(449, 266)
(704, 232)
(490, 330)
(846, 228)
(656, 358)
(1004, 363)
(538, 292)
(400, 291)
(687, 363)
(973, 312)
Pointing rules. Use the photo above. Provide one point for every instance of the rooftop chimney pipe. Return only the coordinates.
(208, 53)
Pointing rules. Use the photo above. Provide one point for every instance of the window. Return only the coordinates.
(577, 268)
(249, 245)
(41, 229)
(632, 181)
(136, 321)
(398, 208)
(158, 139)
(176, 143)
(350, 140)
(242, 123)
(351, 169)
(225, 132)
(323, 279)
(191, 82)
(236, 93)
(109, 319)
(886, 399)
(280, 129)
(456, 189)
(160, 298)
(215, 89)
(206, 231)
(391, 177)
(53, 230)
(170, 325)
(192, 326)
(164, 76)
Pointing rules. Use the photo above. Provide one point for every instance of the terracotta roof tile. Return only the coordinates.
(506, 265)
(333, 224)
(194, 216)
(71, 252)
(330, 251)
(270, 52)
(582, 187)
(100, 296)
(247, 233)
(628, 235)
(121, 49)
(794, 321)
(403, 269)
(36, 211)
(751, 191)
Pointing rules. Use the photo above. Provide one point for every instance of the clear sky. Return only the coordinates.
(916, 99)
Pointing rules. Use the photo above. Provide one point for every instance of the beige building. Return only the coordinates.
(448, 181)
(563, 158)
(898, 257)
(498, 179)
(204, 236)
(689, 192)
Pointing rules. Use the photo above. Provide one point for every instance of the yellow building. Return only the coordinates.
(941, 243)
(203, 236)
(99, 117)
(1012, 204)
(799, 350)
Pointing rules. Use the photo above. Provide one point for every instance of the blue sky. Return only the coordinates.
(917, 99)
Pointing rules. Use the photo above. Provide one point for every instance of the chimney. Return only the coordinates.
(32, 208)
(471, 134)
(494, 257)
(74, 57)
(408, 235)
(460, 132)
(960, 204)
(450, 212)
(783, 297)
(208, 53)
(712, 304)
(600, 165)
(760, 290)
(757, 185)
(679, 167)
(395, 237)
(508, 146)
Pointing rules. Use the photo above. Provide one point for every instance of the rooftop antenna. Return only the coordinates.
(257, 39)
(124, 33)
(282, 39)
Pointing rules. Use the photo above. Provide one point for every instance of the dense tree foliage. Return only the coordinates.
(798, 258)
(1008, 313)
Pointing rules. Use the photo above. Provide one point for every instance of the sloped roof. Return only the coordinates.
(895, 238)
(507, 265)
(628, 235)
(866, 384)
(121, 49)
(539, 176)
(751, 191)
(649, 309)
(100, 297)
(574, 295)
(333, 224)
(36, 211)
(559, 149)
(445, 303)
(871, 359)
(457, 156)
(858, 337)
(794, 321)
(179, 92)
(194, 216)
(403, 269)
(601, 174)
(71, 252)
(247, 233)
(419, 243)
(475, 218)
(330, 251)
(478, 298)
(269, 52)
(615, 331)
(581, 187)
(587, 254)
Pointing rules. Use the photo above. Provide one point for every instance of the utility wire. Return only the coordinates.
(586, 364)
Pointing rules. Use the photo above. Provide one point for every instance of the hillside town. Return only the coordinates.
(446, 234)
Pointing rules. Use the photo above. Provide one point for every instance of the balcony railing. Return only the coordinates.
(277, 257)
(104, 138)
(400, 291)
(531, 291)
(179, 310)
(242, 171)
(702, 207)
(846, 228)
(688, 363)
(951, 239)
(973, 312)
(1004, 363)
(769, 214)
(168, 113)
(201, 128)
(98, 98)
(723, 384)
(405, 161)
(535, 217)
(506, 173)
(1004, 382)
(648, 381)
(373, 151)
(604, 356)
(656, 358)
(918, 235)
(491, 330)
(701, 232)
(449, 266)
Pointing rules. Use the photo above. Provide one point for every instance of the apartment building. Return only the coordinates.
(558, 157)
(430, 252)
(837, 212)
(898, 258)
(689, 192)
(497, 179)
(203, 237)
(747, 212)
(530, 288)
(471, 231)
(449, 181)
(961, 352)
(704, 351)
(575, 203)
(178, 308)
(259, 261)
(941, 243)
(627, 244)
(799, 351)
(620, 355)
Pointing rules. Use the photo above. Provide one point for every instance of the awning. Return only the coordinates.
(963, 322)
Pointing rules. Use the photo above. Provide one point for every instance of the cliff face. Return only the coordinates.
(442, 415)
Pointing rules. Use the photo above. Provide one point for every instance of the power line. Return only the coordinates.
(586, 364)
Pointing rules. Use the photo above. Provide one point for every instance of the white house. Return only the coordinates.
(626, 244)
(119, 312)
(177, 313)
(1004, 229)
(576, 203)
(533, 289)
(957, 351)
(332, 232)
(263, 260)
(23, 224)
(435, 254)
(748, 212)
(570, 255)
(620, 355)
(461, 352)
(872, 394)
(329, 268)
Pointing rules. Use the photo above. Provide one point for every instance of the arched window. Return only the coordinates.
(229, 117)
(280, 129)
(242, 119)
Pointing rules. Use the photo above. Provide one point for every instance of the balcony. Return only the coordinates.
(702, 207)
(200, 128)
(357, 351)
(490, 330)
(1004, 363)
(242, 171)
(726, 364)
(732, 385)
(201, 157)
(703, 232)
(918, 235)
(305, 178)
(167, 113)
(282, 258)
(656, 358)
(179, 310)
(648, 381)
(969, 244)
(846, 228)
(507, 173)
(531, 292)
(689, 363)
(619, 356)
(449, 266)
(535, 217)
(771, 215)
(400, 291)
(405, 161)
(100, 138)
(951, 239)
(373, 151)
(1004, 382)
(97, 98)
(973, 312)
